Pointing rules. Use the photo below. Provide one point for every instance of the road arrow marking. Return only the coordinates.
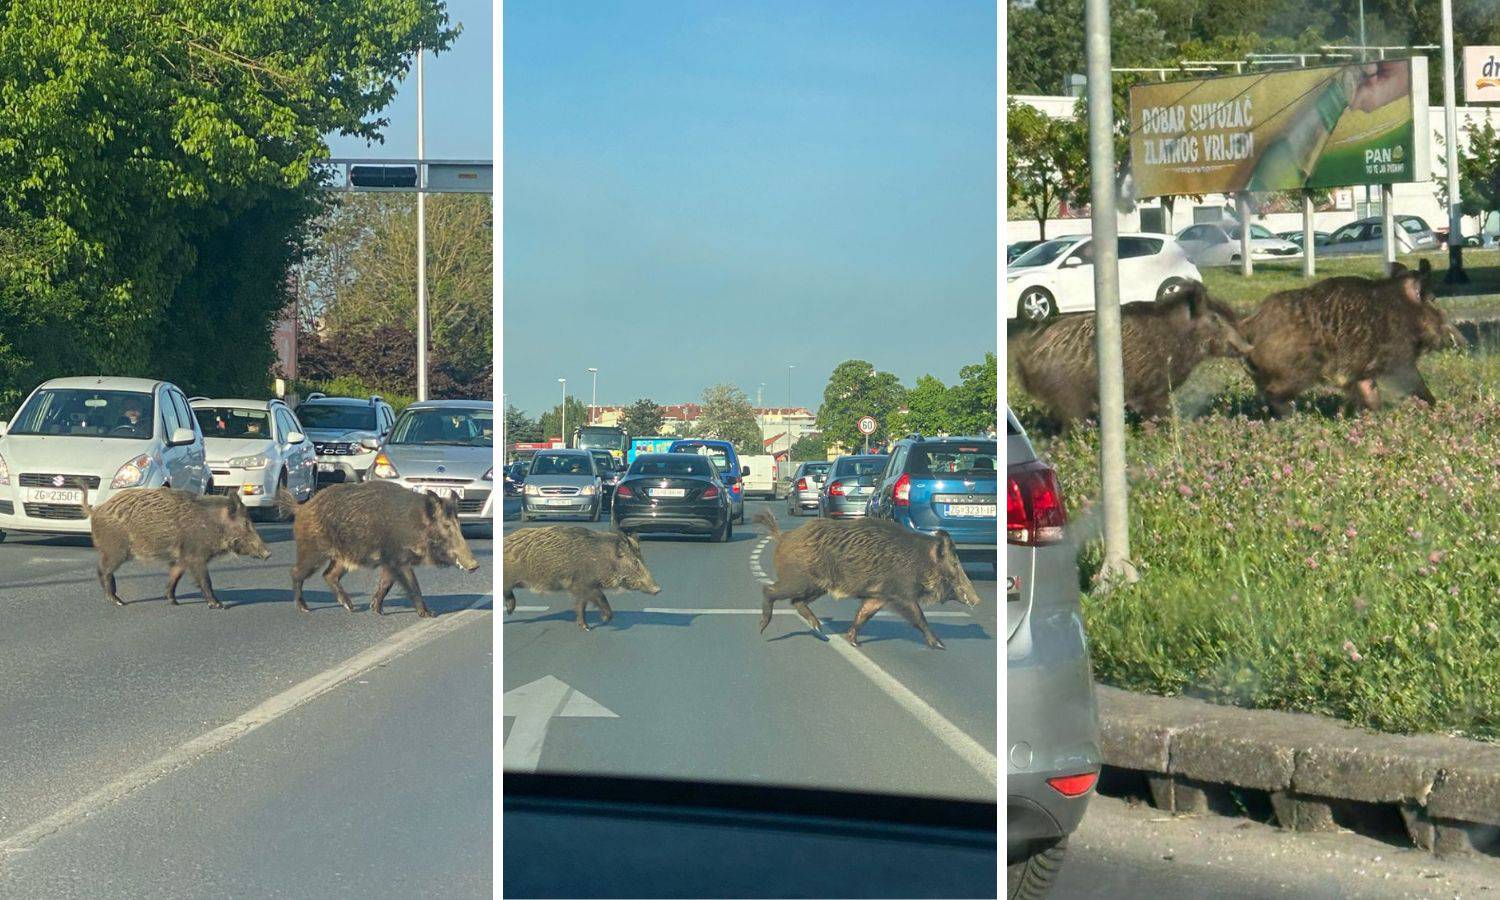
(534, 706)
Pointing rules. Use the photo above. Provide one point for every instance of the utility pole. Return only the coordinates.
(1456, 273)
(789, 368)
(594, 397)
(1107, 294)
(421, 240)
(563, 411)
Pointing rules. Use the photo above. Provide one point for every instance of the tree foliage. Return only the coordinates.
(1045, 160)
(728, 416)
(521, 427)
(1044, 42)
(811, 446)
(643, 418)
(386, 360)
(1478, 172)
(551, 421)
(857, 389)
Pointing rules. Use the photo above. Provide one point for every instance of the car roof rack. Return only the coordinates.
(376, 398)
(196, 399)
(315, 395)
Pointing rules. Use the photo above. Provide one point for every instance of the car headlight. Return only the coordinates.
(4, 472)
(489, 476)
(533, 491)
(369, 444)
(258, 461)
(383, 467)
(132, 473)
(589, 489)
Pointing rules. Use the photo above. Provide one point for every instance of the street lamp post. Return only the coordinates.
(594, 397)
(1456, 273)
(789, 368)
(563, 411)
(421, 243)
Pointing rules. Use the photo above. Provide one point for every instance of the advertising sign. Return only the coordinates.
(1481, 74)
(1322, 127)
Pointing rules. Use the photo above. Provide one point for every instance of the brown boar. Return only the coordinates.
(1347, 332)
(1161, 344)
(374, 524)
(875, 560)
(577, 560)
(180, 528)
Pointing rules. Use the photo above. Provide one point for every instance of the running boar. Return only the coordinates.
(179, 528)
(1347, 332)
(374, 524)
(872, 559)
(577, 560)
(1161, 344)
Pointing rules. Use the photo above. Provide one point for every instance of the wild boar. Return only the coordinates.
(873, 559)
(1347, 332)
(370, 524)
(1161, 344)
(180, 528)
(577, 560)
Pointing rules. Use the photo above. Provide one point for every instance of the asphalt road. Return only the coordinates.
(376, 785)
(696, 692)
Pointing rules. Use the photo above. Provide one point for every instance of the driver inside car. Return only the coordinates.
(132, 415)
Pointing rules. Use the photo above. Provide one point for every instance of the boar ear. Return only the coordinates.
(1411, 287)
(1399, 269)
(432, 507)
(942, 546)
(1196, 296)
(450, 507)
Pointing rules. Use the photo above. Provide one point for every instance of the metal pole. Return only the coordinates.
(1307, 234)
(1456, 273)
(1388, 224)
(789, 368)
(1242, 209)
(421, 242)
(594, 397)
(563, 411)
(1107, 294)
(1363, 56)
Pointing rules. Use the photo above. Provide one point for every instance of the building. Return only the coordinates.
(783, 426)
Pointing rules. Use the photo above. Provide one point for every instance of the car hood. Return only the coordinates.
(50, 454)
(224, 449)
(560, 480)
(431, 460)
(336, 435)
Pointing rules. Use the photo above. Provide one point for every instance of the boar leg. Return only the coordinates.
(304, 568)
(913, 613)
(603, 603)
(107, 569)
(174, 576)
(799, 594)
(510, 598)
(408, 579)
(332, 574)
(868, 608)
(377, 600)
(1415, 385)
(200, 575)
(581, 598)
(1362, 394)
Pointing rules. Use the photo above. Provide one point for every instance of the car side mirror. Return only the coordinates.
(1072, 262)
(3, 426)
(181, 437)
(744, 471)
(295, 437)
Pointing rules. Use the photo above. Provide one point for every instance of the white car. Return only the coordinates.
(1368, 236)
(255, 447)
(1057, 276)
(1212, 244)
(762, 478)
(109, 434)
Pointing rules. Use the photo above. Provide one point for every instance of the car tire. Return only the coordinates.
(525, 516)
(598, 506)
(740, 519)
(794, 510)
(1032, 878)
(2, 537)
(1169, 288)
(1036, 305)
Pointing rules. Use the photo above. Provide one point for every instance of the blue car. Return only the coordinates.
(944, 483)
(731, 472)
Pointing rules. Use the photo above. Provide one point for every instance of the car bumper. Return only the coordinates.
(344, 469)
(19, 515)
(846, 509)
(476, 500)
(575, 506)
(683, 521)
(260, 482)
(806, 500)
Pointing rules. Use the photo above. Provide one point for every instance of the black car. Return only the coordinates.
(673, 493)
(515, 477)
(609, 473)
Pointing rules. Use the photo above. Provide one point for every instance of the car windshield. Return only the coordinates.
(1413, 225)
(858, 466)
(719, 456)
(233, 422)
(817, 468)
(447, 427)
(948, 458)
(602, 459)
(686, 465)
(69, 412)
(337, 416)
(1043, 253)
(1256, 231)
(562, 464)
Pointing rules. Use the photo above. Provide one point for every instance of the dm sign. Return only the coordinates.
(1324, 127)
(1481, 74)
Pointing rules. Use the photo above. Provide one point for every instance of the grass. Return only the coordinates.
(1344, 566)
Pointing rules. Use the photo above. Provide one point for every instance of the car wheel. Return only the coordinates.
(740, 519)
(1169, 288)
(1036, 305)
(2, 537)
(723, 534)
(1032, 878)
(598, 505)
(794, 510)
(525, 516)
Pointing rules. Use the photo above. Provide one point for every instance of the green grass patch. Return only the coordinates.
(1344, 566)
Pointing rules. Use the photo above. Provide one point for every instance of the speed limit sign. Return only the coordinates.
(866, 425)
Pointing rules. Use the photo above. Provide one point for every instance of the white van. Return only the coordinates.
(761, 481)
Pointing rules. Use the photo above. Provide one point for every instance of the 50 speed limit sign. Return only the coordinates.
(866, 425)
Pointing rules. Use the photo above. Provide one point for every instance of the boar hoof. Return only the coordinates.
(214, 604)
(425, 613)
(171, 600)
(936, 644)
(851, 638)
(117, 601)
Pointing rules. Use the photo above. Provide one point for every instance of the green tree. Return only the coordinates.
(857, 389)
(810, 446)
(1478, 172)
(973, 400)
(1043, 161)
(643, 418)
(521, 427)
(1044, 42)
(551, 421)
(728, 416)
(929, 405)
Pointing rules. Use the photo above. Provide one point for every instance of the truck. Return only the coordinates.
(656, 444)
(764, 473)
(602, 437)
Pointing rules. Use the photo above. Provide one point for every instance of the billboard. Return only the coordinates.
(1322, 127)
(1481, 74)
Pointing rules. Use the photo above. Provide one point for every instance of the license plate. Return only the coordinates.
(971, 510)
(559, 501)
(444, 492)
(668, 492)
(858, 491)
(54, 495)
(327, 467)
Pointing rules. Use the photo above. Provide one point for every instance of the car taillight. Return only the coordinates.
(901, 493)
(1034, 510)
(710, 493)
(1074, 785)
(736, 487)
(801, 484)
(836, 489)
(623, 491)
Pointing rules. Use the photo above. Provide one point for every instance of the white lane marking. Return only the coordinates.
(402, 642)
(699, 611)
(532, 608)
(534, 705)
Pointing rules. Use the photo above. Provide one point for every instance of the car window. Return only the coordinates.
(169, 420)
(859, 466)
(1260, 231)
(1132, 247)
(1413, 225)
(954, 458)
(1346, 234)
(337, 416)
(1195, 233)
(1043, 254)
(562, 464)
(680, 465)
(184, 415)
(232, 422)
(446, 426)
(86, 413)
(285, 423)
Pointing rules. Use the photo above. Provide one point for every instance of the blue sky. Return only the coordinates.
(459, 84)
(704, 192)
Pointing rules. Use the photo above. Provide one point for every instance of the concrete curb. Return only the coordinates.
(1317, 773)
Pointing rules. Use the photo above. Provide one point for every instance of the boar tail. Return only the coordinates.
(765, 518)
(286, 504)
(88, 511)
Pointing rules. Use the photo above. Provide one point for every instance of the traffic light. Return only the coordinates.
(393, 177)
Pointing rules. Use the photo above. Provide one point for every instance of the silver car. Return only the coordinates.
(255, 447)
(1052, 720)
(850, 485)
(346, 432)
(447, 448)
(803, 485)
(562, 483)
(1368, 236)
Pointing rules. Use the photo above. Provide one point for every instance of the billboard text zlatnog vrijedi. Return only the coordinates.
(1329, 126)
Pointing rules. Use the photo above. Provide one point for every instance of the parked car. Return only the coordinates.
(255, 447)
(850, 484)
(1368, 236)
(804, 485)
(731, 472)
(1057, 276)
(1319, 237)
(515, 477)
(610, 471)
(445, 448)
(761, 479)
(943, 483)
(673, 493)
(109, 434)
(1052, 717)
(346, 432)
(1016, 248)
(562, 483)
(1216, 244)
